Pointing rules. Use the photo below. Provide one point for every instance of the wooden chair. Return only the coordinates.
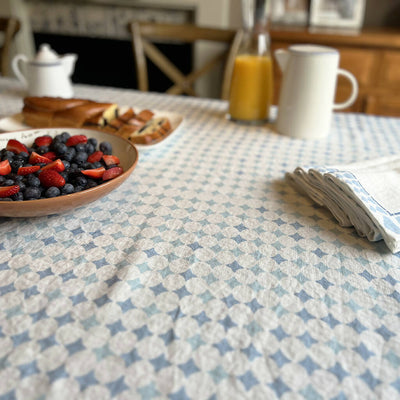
(145, 34)
(9, 26)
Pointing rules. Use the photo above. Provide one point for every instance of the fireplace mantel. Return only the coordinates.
(101, 18)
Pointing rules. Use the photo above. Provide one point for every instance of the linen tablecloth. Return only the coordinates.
(204, 276)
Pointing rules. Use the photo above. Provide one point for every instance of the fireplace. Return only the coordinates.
(97, 31)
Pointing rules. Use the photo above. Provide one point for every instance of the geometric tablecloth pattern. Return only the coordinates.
(204, 276)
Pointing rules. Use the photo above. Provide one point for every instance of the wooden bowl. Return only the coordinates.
(122, 148)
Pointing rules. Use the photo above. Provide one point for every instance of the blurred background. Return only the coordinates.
(97, 29)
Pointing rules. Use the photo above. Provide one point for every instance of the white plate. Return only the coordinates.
(16, 123)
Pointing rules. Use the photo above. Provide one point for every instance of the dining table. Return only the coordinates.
(205, 275)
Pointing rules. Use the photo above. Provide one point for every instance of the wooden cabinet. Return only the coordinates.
(373, 56)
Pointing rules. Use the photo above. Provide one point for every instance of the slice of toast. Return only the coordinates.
(37, 119)
(104, 117)
(77, 117)
(151, 132)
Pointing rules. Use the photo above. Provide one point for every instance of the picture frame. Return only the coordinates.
(289, 12)
(337, 13)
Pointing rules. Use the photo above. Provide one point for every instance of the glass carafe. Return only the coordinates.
(252, 78)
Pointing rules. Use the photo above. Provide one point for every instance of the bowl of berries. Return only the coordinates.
(53, 170)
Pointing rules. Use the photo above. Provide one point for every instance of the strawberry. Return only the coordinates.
(16, 147)
(57, 165)
(7, 191)
(96, 156)
(111, 160)
(36, 158)
(50, 177)
(112, 173)
(5, 167)
(43, 141)
(74, 140)
(28, 170)
(95, 173)
(51, 155)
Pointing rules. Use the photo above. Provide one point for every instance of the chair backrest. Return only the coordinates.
(145, 34)
(9, 26)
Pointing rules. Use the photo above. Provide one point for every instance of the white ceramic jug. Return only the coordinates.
(307, 94)
(48, 74)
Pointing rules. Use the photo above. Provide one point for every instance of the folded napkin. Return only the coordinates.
(365, 195)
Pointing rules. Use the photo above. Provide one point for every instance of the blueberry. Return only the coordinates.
(21, 185)
(22, 156)
(15, 164)
(9, 182)
(89, 148)
(32, 193)
(18, 196)
(60, 148)
(8, 155)
(2, 179)
(110, 166)
(64, 174)
(42, 149)
(69, 154)
(80, 181)
(87, 165)
(93, 142)
(33, 181)
(65, 136)
(78, 188)
(52, 191)
(80, 157)
(97, 164)
(106, 148)
(68, 188)
(73, 173)
(91, 183)
(80, 147)
(56, 141)
(67, 164)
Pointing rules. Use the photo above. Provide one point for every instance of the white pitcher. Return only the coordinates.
(48, 74)
(308, 89)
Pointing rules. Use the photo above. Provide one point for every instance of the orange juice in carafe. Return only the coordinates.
(252, 79)
(251, 88)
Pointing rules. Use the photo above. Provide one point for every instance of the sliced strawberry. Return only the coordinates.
(5, 167)
(95, 173)
(36, 158)
(7, 191)
(50, 177)
(28, 170)
(57, 165)
(74, 140)
(16, 147)
(43, 141)
(112, 173)
(111, 160)
(96, 156)
(51, 155)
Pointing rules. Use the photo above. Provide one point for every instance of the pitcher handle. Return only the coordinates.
(15, 67)
(354, 90)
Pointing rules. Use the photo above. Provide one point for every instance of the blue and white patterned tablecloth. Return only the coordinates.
(204, 276)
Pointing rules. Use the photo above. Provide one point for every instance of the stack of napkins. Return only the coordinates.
(365, 195)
